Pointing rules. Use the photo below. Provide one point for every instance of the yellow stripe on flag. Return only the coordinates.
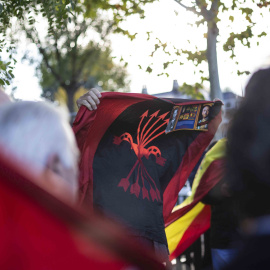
(176, 230)
(217, 152)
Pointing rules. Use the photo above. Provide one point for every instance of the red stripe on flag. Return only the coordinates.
(190, 159)
(210, 178)
(70, 238)
(198, 226)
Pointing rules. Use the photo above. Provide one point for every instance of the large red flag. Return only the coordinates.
(130, 168)
(38, 231)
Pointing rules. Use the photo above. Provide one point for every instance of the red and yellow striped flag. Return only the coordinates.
(192, 218)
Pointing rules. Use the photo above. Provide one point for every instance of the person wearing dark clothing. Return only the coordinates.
(224, 232)
(254, 256)
(248, 171)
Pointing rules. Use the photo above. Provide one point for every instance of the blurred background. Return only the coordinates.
(150, 46)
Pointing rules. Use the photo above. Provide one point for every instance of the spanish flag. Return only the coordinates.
(192, 218)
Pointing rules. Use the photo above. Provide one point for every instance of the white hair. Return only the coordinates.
(34, 131)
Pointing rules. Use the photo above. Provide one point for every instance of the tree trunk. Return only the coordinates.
(70, 90)
(215, 91)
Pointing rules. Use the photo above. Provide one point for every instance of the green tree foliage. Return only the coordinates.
(92, 66)
(75, 39)
(210, 14)
(55, 10)
(119, 10)
(78, 53)
(193, 91)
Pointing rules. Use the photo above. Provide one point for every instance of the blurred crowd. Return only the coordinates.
(38, 144)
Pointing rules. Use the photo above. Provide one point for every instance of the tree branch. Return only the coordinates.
(207, 14)
(214, 7)
(57, 53)
(192, 9)
(46, 60)
(83, 62)
(74, 51)
(211, 14)
(36, 40)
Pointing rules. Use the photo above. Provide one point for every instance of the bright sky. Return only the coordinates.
(163, 21)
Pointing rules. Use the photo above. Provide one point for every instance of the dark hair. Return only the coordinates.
(248, 150)
(209, 112)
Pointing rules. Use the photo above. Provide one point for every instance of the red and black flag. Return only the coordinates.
(130, 168)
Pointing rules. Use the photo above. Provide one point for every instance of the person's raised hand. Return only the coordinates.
(217, 99)
(90, 99)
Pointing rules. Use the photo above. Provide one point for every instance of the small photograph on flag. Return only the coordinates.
(173, 117)
(190, 117)
(204, 116)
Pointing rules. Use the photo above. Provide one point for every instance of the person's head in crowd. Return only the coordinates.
(249, 149)
(39, 134)
(4, 98)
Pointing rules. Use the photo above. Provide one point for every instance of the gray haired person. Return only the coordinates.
(39, 136)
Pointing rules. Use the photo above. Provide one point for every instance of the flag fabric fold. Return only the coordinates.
(129, 167)
(40, 231)
(192, 218)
